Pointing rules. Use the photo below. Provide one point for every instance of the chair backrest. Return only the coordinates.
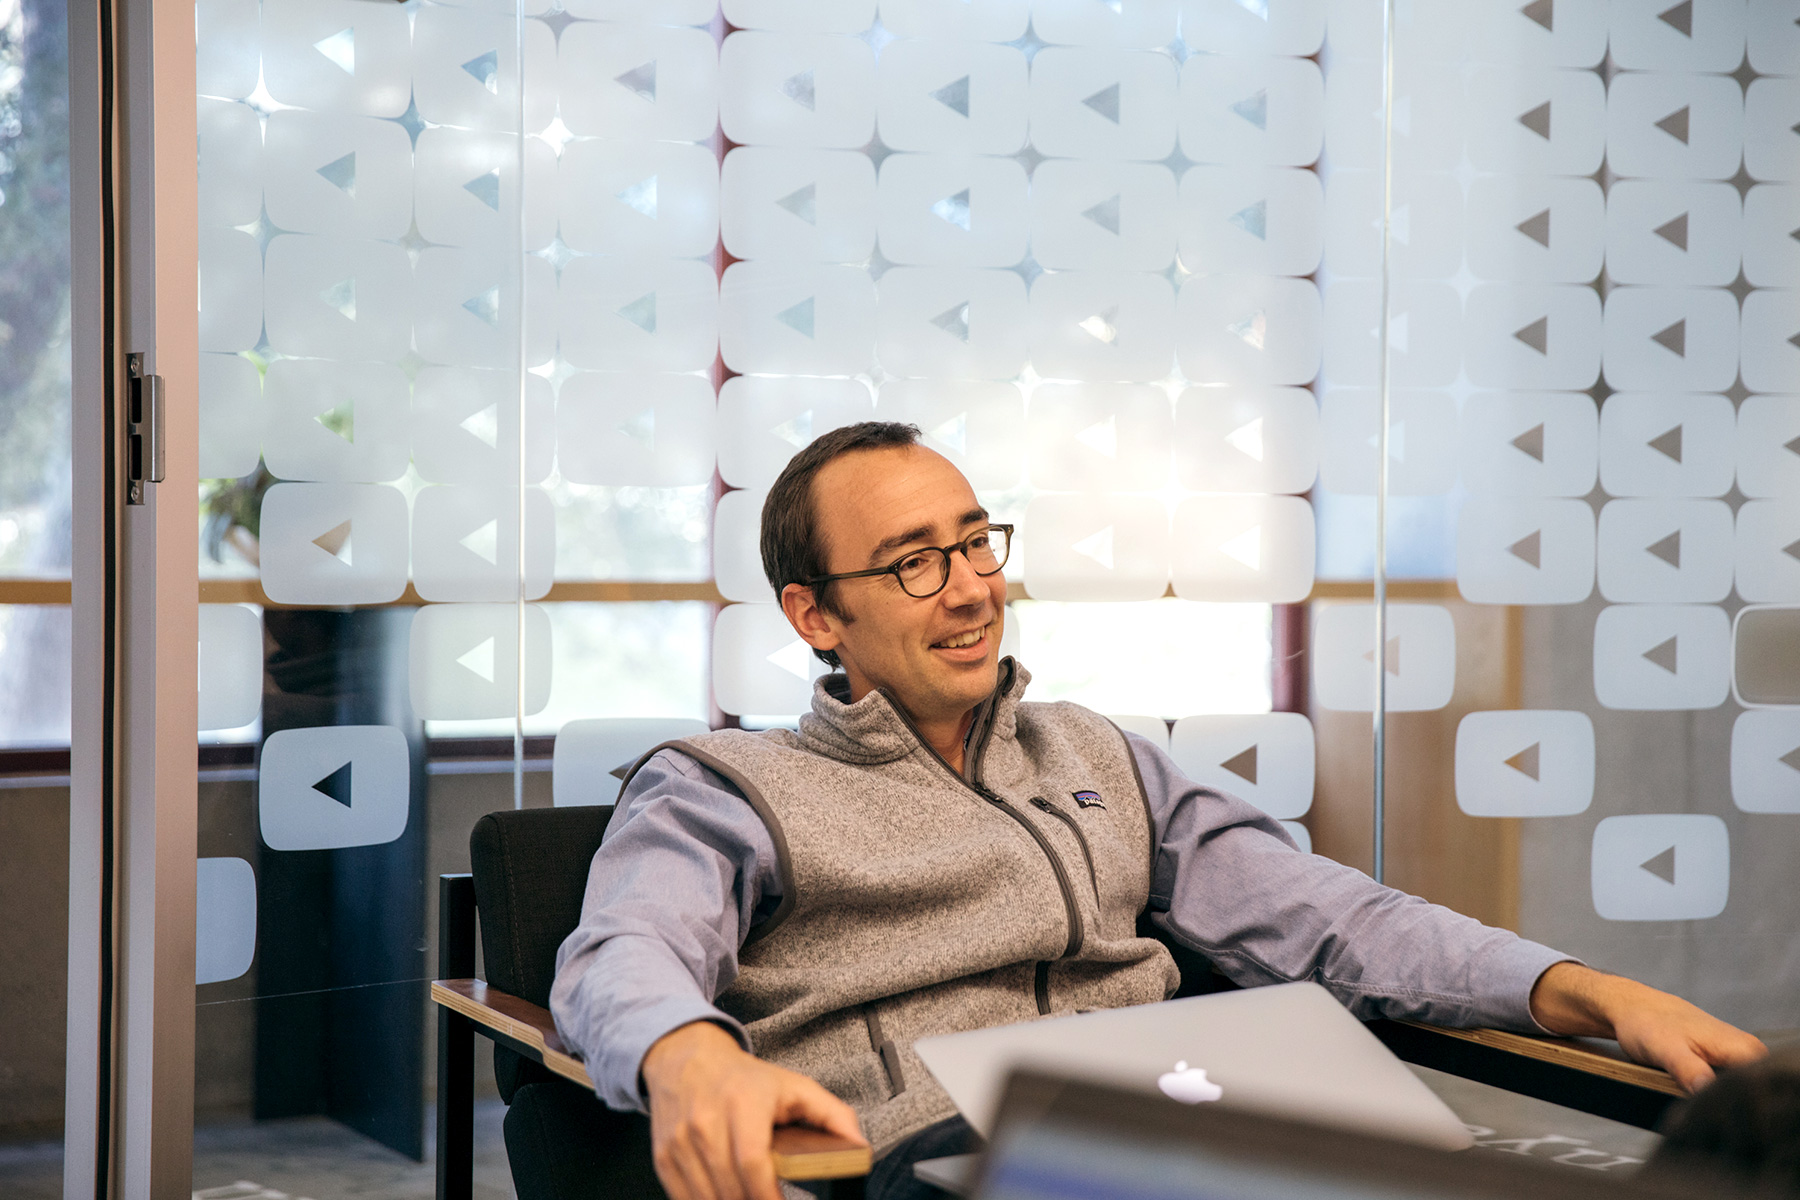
(531, 869)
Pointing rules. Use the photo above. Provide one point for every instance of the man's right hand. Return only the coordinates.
(713, 1112)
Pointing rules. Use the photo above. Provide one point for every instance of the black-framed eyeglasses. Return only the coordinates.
(925, 571)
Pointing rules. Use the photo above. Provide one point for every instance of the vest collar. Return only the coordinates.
(874, 731)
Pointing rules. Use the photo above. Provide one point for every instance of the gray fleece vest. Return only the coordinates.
(918, 902)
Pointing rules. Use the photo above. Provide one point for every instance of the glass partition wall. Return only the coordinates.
(1394, 404)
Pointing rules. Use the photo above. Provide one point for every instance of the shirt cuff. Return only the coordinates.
(617, 1079)
(1515, 971)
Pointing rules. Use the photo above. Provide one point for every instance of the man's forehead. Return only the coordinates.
(867, 498)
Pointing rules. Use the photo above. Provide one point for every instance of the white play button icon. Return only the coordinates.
(1661, 867)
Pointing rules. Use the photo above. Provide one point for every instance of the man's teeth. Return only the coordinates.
(962, 639)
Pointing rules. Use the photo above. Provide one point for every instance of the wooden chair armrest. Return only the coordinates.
(1596, 1057)
(801, 1153)
(1586, 1074)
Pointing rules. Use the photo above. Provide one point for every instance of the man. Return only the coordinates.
(929, 854)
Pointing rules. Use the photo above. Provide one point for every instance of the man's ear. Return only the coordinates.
(816, 627)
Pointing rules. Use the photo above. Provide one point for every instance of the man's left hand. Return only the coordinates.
(1653, 1027)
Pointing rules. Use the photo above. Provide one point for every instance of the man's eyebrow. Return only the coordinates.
(879, 555)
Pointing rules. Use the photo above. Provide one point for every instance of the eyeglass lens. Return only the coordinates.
(926, 572)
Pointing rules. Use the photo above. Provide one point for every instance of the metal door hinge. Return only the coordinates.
(143, 430)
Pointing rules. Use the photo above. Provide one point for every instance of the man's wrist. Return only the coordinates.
(1573, 999)
(669, 1052)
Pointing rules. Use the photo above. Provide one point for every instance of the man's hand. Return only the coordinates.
(1653, 1027)
(713, 1111)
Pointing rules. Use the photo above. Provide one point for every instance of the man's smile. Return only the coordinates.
(964, 640)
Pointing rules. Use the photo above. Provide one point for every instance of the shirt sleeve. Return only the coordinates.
(685, 870)
(1229, 883)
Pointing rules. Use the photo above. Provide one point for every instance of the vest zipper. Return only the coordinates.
(1087, 852)
(976, 754)
(1056, 864)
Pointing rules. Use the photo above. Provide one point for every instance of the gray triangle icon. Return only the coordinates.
(1528, 549)
(1538, 120)
(1543, 12)
(1537, 228)
(341, 174)
(1794, 341)
(803, 203)
(1526, 761)
(1680, 18)
(954, 321)
(1665, 654)
(1661, 865)
(1676, 124)
(1242, 764)
(486, 188)
(1795, 234)
(1105, 102)
(1253, 219)
(1667, 443)
(640, 81)
(954, 96)
(337, 784)
(800, 89)
(485, 70)
(1668, 549)
(1673, 338)
(1792, 550)
(1536, 335)
(1105, 214)
(1392, 656)
(1674, 232)
(1792, 446)
(641, 312)
(1531, 442)
(798, 317)
(1791, 758)
(1254, 109)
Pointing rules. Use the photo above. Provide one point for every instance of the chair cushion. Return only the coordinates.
(531, 869)
(565, 1145)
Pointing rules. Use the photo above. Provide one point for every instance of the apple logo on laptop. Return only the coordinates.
(1188, 1084)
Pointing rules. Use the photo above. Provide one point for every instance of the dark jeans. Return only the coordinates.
(893, 1179)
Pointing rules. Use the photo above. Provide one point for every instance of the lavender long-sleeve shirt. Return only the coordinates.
(687, 868)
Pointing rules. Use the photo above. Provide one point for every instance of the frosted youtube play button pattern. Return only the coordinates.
(759, 664)
(1420, 657)
(591, 757)
(333, 786)
(1524, 763)
(224, 919)
(1661, 867)
(464, 661)
(1662, 656)
(1266, 759)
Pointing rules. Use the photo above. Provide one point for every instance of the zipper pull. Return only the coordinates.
(1040, 803)
(988, 794)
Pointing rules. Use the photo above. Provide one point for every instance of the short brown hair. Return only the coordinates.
(791, 547)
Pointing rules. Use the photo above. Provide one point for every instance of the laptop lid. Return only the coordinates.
(1289, 1049)
(1061, 1138)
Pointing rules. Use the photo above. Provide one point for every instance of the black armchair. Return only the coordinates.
(529, 874)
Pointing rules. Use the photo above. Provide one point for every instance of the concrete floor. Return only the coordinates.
(301, 1158)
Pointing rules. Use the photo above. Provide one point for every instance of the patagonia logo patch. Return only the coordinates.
(1088, 799)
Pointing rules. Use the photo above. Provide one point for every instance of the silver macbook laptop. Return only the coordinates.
(1289, 1050)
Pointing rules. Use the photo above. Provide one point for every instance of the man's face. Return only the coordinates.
(937, 656)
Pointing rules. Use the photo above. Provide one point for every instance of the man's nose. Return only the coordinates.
(965, 586)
